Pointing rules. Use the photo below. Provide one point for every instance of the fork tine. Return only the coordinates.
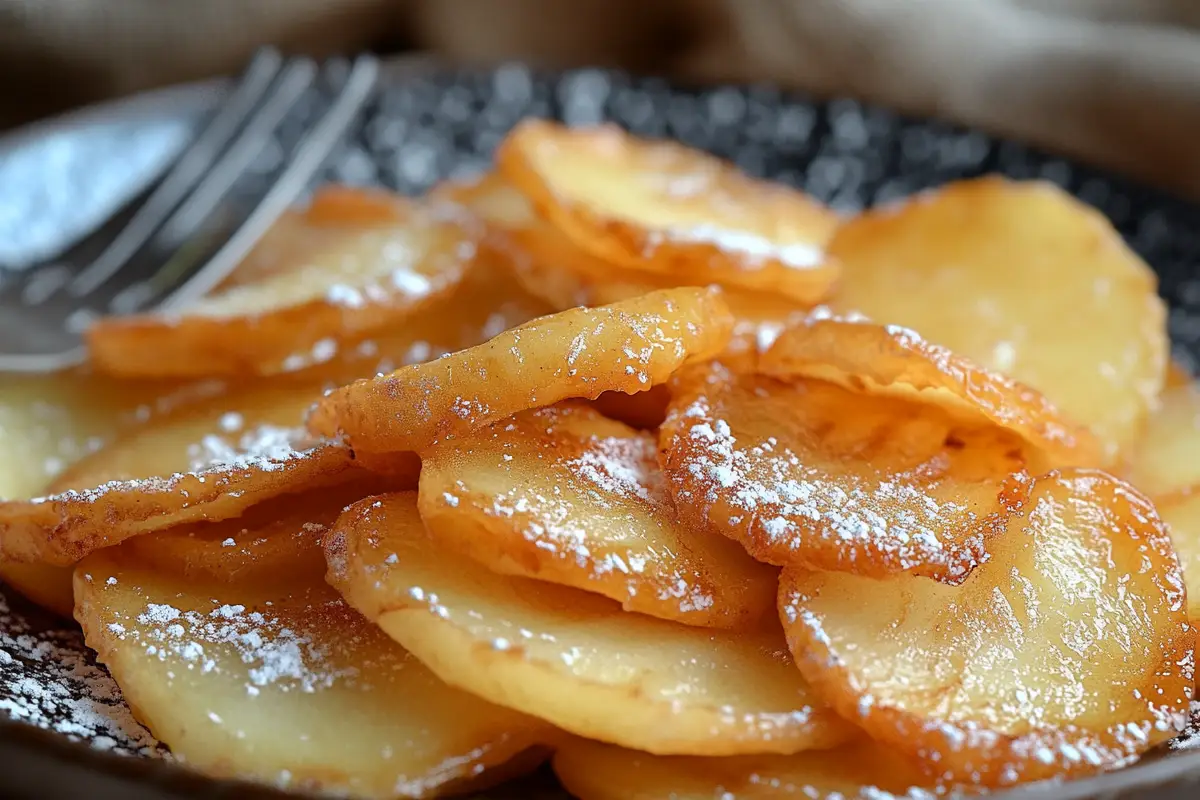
(189, 169)
(286, 88)
(168, 273)
(289, 88)
(310, 155)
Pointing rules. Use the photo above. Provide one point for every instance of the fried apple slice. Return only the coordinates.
(625, 347)
(488, 197)
(550, 266)
(572, 658)
(487, 303)
(278, 537)
(808, 473)
(299, 232)
(659, 207)
(555, 270)
(1067, 652)
(1165, 460)
(48, 422)
(332, 213)
(757, 316)
(565, 495)
(1024, 280)
(1181, 513)
(890, 359)
(283, 683)
(859, 770)
(353, 277)
(207, 461)
(54, 420)
(547, 264)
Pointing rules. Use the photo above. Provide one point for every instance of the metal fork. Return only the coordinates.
(179, 242)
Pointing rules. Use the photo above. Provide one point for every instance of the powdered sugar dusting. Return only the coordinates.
(753, 251)
(779, 498)
(49, 679)
(270, 652)
(622, 466)
(262, 447)
(584, 498)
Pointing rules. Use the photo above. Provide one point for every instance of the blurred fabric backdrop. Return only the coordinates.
(1115, 82)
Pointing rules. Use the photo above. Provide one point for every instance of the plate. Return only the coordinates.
(68, 733)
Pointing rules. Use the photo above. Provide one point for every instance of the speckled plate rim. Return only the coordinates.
(36, 763)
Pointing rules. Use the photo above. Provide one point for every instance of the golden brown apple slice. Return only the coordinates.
(545, 262)
(573, 658)
(359, 271)
(566, 495)
(1067, 652)
(808, 473)
(626, 347)
(49, 422)
(1022, 279)
(893, 360)
(859, 770)
(564, 277)
(54, 420)
(665, 209)
(1167, 458)
(549, 265)
(283, 683)
(280, 537)
(206, 461)
(486, 303)
(1181, 512)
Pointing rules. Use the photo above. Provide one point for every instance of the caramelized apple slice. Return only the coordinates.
(357, 273)
(209, 460)
(283, 683)
(1181, 512)
(51, 421)
(662, 208)
(1024, 280)
(1067, 652)
(489, 198)
(545, 262)
(550, 266)
(893, 360)
(860, 770)
(1165, 460)
(626, 347)
(280, 536)
(565, 495)
(811, 474)
(47, 423)
(487, 303)
(572, 658)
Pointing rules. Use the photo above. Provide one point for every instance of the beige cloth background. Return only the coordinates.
(1112, 81)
